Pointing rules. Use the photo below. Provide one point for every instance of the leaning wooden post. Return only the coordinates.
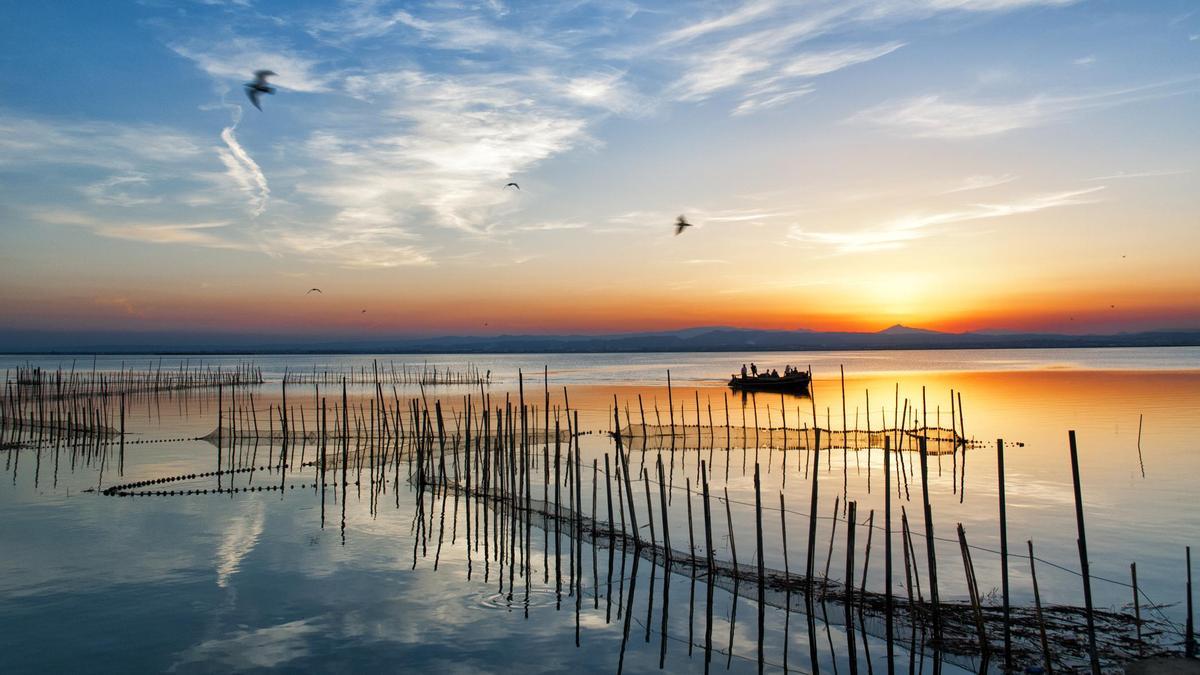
(708, 538)
(1085, 568)
(732, 543)
(670, 403)
(973, 592)
(220, 415)
(122, 461)
(649, 507)
(1037, 604)
(624, 462)
(662, 507)
(1137, 607)
(1004, 556)
(1190, 640)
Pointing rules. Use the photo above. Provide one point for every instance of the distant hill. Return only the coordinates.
(707, 339)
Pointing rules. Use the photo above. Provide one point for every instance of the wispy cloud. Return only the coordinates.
(759, 47)
(902, 231)
(123, 189)
(980, 182)
(119, 147)
(442, 149)
(232, 61)
(452, 27)
(551, 226)
(206, 234)
(1140, 174)
(938, 116)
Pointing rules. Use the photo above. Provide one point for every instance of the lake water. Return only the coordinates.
(302, 578)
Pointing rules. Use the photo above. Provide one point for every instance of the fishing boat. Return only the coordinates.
(793, 383)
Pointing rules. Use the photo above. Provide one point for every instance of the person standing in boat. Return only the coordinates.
(753, 369)
(743, 371)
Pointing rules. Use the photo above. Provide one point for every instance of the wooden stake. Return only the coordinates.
(1037, 604)
(1085, 568)
(1008, 665)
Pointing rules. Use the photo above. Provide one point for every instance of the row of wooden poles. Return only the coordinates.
(40, 419)
(390, 374)
(904, 431)
(84, 446)
(502, 481)
(34, 382)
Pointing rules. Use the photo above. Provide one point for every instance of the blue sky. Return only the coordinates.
(822, 141)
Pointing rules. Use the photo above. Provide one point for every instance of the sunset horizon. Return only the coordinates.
(944, 165)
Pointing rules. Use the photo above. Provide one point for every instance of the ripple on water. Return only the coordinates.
(538, 597)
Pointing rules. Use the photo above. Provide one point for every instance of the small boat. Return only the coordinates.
(793, 383)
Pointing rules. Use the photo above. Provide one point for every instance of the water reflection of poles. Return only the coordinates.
(628, 614)
(851, 649)
(762, 573)
(711, 567)
(787, 575)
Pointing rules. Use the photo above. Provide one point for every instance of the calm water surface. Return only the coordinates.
(259, 580)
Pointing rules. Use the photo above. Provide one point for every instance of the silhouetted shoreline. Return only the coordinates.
(689, 340)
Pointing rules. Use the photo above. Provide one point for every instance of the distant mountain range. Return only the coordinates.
(702, 339)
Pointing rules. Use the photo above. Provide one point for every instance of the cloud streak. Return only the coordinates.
(242, 168)
(942, 117)
(903, 231)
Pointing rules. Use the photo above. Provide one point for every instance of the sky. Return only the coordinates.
(847, 165)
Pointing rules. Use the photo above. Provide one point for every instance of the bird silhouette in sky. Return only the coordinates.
(512, 185)
(259, 86)
(314, 290)
(681, 223)
(364, 311)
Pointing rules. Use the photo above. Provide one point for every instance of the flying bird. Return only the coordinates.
(314, 290)
(680, 224)
(512, 185)
(364, 311)
(259, 86)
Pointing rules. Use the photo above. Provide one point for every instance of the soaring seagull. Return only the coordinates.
(681, 223)
(259, 86)
(314, 290)
(512, 185)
